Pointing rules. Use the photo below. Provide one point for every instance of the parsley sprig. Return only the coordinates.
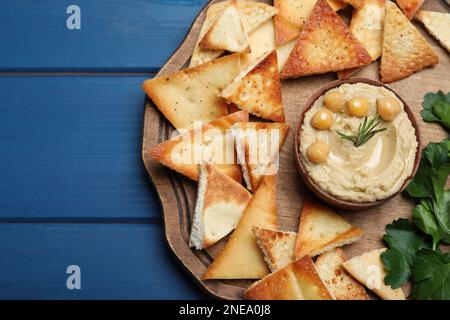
(366, 131)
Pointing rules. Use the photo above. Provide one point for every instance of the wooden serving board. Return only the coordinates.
(178, 194)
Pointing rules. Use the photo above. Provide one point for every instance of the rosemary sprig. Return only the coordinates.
(366, 131)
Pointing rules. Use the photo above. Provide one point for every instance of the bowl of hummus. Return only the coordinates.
(357, 144)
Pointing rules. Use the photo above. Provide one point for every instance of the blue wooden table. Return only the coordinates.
(73, 191)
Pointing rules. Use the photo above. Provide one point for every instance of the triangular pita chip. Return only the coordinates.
(369, 270)
(255, 14)
(321, 230)
(262, 40)
(354, 3)
(410, 7)
(405, 50)
(241, 257)
(337, 280)
(367, 26)
(257, 89)
(438, 25)
(185, 152)
(220, 204)
(325, 44)
(228, 32)
(190, 95)
(277, 246)
(298, 280)
(292, 16)
(258, 146)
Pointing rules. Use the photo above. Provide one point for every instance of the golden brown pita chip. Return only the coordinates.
(321, 230)
(410, 7)
(405, 50)
(438, 25)
(369, 270)
(325, 44)
(184, 152)
(277, 246)
(338, 281)
(292, 16)
(354, 3)
(228, 32)
(258, 145)
(220, 204)
(241, 258)
(190, 95)
(255, 13)
(298, 280)
(257, 89)
(367, 26)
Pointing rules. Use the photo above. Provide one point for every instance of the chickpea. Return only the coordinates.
(358, 107)
(318, 151)
(334, 100)
(322, 119)
(388, 108)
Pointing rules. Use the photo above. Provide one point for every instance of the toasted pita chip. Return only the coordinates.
(220, 204)
(438, 25)
(262, 40)
(255, 13)
(298, 280)
(367, 26)
(337, 280)
(405, 50)
(184, 152)
(257, 89)
(228, 32)
(190, 95)
(324, 45)
(277, 246)
(258, 146)
(321, 230)
(284, 52)
(354, 3)
(241, 258)
(410, 7)
(369, 270)
(293, 15)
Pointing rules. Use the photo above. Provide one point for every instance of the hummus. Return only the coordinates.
(371, 172)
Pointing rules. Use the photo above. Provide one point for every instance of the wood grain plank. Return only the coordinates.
(70, 148)
(117, 262)
(115, 35)
(178, 194)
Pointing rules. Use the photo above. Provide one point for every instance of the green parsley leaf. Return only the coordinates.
(403, 241)
(436, 108)
(424, 219)
(431, 275)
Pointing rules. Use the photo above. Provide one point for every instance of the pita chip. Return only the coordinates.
(184, 152)
(354, 3)
(410, 7)
(325, 44)
(405, 50)
(337, 280)
(367, 26)
(241, 258)
(190, 95)
(228, 32)
(255, 14)
(292, 16)
(369, 270)
(220, 204)
(298, 280)
(438, 25)
(257, 89)
(258, 146)
(321, 230)
(277, 246)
